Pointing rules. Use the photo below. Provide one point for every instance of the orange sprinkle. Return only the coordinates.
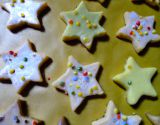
(15, 54)
(34, 122)
(118, 116)
(129, 67)
(70, 21)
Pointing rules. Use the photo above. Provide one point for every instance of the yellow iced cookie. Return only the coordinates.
(79, 81)
(82, 25)
(136, 81)
(23, 12)
(114, 117)
(14, 116)
(62, 121)
(22, 66)
(154, 119)
(152, 2)
(139, 30)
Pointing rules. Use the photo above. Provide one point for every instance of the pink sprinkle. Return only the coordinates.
(48, 78)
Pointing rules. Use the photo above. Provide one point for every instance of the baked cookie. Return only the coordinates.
(22, 66)
(23, 12)
(136, 81)
(139, 30)
(79, 81)
(114, 117)
(82, 25)
(154, 119)
(151, 2)
(14, 116)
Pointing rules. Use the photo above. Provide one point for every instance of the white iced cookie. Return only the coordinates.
(62, 121)
(136, 81)
(22, 66)
(139, 30)
(154, 119)
(14, 116)
(151, 2)
(79, 81)
(114, 117)
(82, 25)
(23, 12)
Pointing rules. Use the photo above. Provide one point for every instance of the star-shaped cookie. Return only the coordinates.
(154, 119)
(82, 25)
(22, 66)
(136, 81)
(139, 30)
(151, 2)
(14, 116)
(79, 81)
(23, 12)
(114, 117)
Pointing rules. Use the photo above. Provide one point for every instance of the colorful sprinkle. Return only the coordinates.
(73, 67)
(26, 121)
(131, 32)
(138, 23)
(15, 119)
(119, 116)
(84, 17)
(75, 12)
(25, 59)
(72, 92)
(69, 64)
(75, 72)
(34, 122)
(124, 118)
(86, 79)
(129, 82)
(80, 94)
(134, 33)
(146, 32)
(10, 59)
(61, 83)
(95, 88)
(79, 68)
(14, 1)
(48, 78)
(140, 17)
(140, 27)
(12, 71)
(129, 67)
(90, 90)
(89, 26)
(116, 111)
(22, 15)
(22, 1)
(141, 33)
(11, 52)
(21, 66)
(70, 85)
(94, 25)
(88, 22)
(70, 21)
(89, 73)
(77, 86)
(75, 77)
(133, 27)
(78, 24)
(148, 27)
(22, 78)
(85, 73)
(15, 54)
(154, 31)
(12, 4)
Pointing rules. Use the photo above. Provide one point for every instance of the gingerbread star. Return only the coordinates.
(82, 25)
(14, 116)
(22, 66)
(23, 12)
(114, 117)
(151, 2)
(79, 81)
(136, 81)
(139, 30)
(154, 119)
